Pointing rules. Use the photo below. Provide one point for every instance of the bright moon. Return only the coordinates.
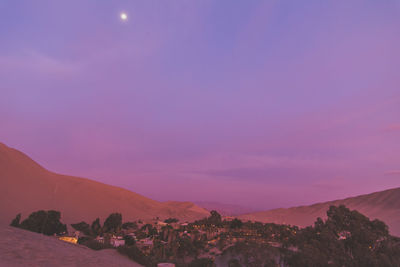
(124, 16)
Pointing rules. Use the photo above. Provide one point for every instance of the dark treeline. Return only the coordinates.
(44, 222)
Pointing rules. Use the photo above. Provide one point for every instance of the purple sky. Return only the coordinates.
(258, 103)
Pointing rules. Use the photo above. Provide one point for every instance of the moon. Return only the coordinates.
(123, 16)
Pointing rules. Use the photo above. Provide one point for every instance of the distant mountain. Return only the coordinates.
(25, 186)
(384, 205)
(224, 209)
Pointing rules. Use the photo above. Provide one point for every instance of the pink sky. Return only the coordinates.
(252, 103)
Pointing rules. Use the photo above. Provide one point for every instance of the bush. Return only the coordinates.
(82, 240)
(202, 262)
(129, 240)
(93, 244)
(129, 225)
(135, 254)
(234, 263)
(15, 222)
(171, 220)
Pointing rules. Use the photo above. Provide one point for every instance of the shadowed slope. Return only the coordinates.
(384, 205)
(23, 248)
(25, 186)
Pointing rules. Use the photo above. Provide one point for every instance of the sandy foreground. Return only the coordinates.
(23, 248)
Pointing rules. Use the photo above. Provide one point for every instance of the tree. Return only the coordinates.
(46, 222)
(236, 223)
(171, 220)
(15, 222)
(346, 238)
(83, 227)
(113, 223)
(129, 240)
(234, 263)
(202, 262)
(129, 225)
(215, 218)
(96, 227)
(135, 254)
(53, 224)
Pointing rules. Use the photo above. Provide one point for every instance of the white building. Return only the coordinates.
(100, 239)
(117, 241)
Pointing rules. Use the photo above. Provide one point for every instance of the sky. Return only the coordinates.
(263, 104)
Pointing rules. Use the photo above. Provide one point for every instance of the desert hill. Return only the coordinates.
(225, 209)
(25, 186)
(23, 248)
(384, 205)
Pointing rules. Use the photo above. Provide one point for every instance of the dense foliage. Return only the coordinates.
(135, 254)
(113, 223)
(45, 222)
(346, 238)
(83, 227)
(202, 262)
(96, 228)
(129, 225)
(171, 220)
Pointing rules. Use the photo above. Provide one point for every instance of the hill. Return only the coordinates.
(384, 205)
(224, 209)
(25, 186)
(23, 248)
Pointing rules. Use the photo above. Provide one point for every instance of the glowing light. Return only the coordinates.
(123, 16)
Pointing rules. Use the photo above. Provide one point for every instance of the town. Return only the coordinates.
(201, 241)
(227, 241)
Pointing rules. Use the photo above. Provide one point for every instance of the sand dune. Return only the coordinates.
(25, 186)
(23, 248)
(384, 205)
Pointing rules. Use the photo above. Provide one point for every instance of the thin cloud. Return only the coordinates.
(393, 172)
(393, 127)
(39, 63)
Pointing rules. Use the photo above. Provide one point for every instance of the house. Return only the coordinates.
(228, 218)
(165, 265)
(100, 239)
(117, 241)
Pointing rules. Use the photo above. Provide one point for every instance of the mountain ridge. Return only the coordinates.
(26, 186)
(383, 205)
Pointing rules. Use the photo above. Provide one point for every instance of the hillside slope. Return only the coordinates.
(25, 186)
(23, 248)
(384, 205)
